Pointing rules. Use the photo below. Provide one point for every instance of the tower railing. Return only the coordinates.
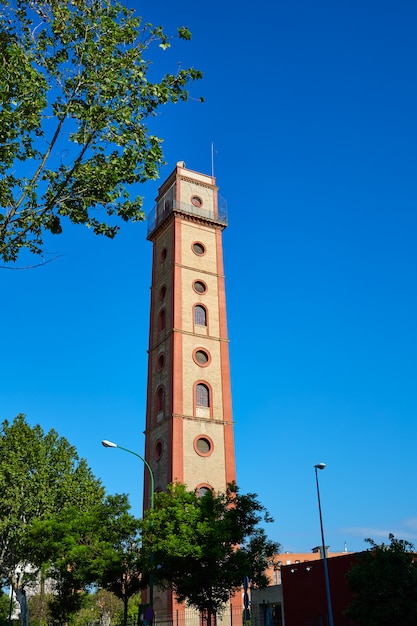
(161, 211)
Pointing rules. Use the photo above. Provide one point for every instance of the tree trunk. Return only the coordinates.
(24, 609)
(125, 608)
(211, 617)
(42, 611)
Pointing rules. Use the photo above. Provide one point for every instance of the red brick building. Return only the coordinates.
(304, 592)
(297, 594)
(189, 423)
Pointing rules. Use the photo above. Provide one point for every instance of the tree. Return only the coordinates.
(102, 607)
(4, 608)
(77, 549)
(109, 607)
(204, 547)
(41, 475)
(384, 584)
(123, 573)
(39, 613)
(75, 99)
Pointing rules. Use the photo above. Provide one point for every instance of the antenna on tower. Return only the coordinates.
(212, 158)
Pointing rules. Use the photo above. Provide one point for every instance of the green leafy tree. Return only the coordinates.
(384, 584)
(39, 600)
(39, 613)
(123, 572)
(110, 608)
(204, 547)
(88, 614)
(102, 607)
(78, 549)
(41, 476)
(65, 603)
(4, 608)
(76, 95)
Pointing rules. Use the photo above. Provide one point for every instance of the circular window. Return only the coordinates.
(158, 450)
(162, 292)
(199, 248)
(196, 201)
(199, 286)
(201, 357)
(160, 362)
(163, 254)
(203, 445)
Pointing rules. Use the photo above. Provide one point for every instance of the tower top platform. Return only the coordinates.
(193, 198)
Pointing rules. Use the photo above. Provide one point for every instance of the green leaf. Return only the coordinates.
(55, 519)
(184, 33)
(74, 87)
(203, 547)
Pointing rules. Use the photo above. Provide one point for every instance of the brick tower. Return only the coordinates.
(189, 427)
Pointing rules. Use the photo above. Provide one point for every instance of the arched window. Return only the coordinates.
(200, 315)
(203, 491)
(160, 400)
(162, 318)
(202, 395)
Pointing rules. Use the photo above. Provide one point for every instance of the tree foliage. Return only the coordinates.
(38, 603)
(107, 609)
(76, 95)
(55, 521)
(95, 546)
(123, 574)
(102, 607)
(4, 608)
(384, 583)
(204, 547)
(40, 475)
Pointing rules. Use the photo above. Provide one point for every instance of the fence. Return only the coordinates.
(190, 617)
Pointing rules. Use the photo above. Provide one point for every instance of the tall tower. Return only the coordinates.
(189, 427)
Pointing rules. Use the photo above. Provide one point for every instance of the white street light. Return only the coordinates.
(108, 444)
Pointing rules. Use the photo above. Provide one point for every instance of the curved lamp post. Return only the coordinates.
(321, 466)
(110, 444)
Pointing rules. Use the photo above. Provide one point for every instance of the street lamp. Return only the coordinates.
(321, 466)
(110, 444)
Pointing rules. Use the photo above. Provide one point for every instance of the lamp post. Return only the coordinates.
(321, 466)
(110, 444)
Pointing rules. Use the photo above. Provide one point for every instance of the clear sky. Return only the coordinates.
(312, 110)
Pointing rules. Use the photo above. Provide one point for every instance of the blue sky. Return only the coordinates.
(312, 110)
